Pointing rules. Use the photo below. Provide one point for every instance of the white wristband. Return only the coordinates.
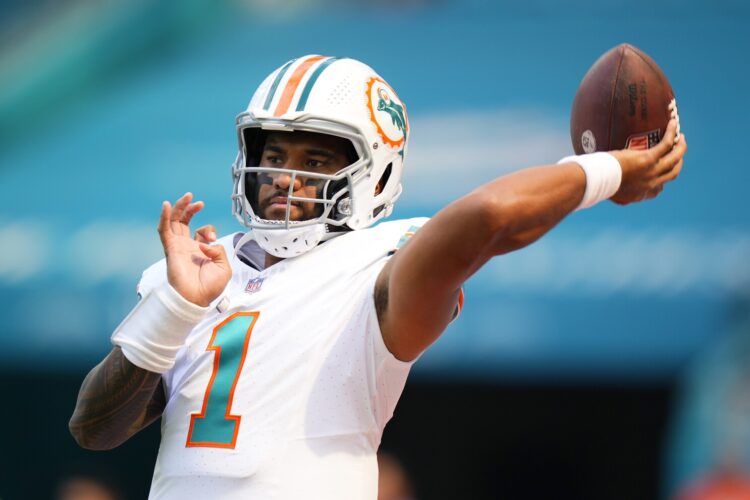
(603, 176)
(156, 329)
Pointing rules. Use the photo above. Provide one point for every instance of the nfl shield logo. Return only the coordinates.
(644, 141)
(254, 285)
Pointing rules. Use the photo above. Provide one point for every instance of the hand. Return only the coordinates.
(644, 173)
(197, 271)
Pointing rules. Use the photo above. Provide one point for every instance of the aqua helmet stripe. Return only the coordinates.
(311, 82)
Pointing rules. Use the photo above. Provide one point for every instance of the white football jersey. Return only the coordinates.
(284, 394)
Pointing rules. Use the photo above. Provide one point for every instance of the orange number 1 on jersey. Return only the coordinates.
(214, 426)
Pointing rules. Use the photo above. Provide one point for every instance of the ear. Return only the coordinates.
(379, 187)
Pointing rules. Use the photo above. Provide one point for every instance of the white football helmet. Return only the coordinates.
(327, 95)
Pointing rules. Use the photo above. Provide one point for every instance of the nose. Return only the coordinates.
(282, 181)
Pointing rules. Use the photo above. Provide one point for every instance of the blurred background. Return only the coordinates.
(611, 360)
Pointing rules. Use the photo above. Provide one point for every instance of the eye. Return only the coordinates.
(273, 159)
(311, 163)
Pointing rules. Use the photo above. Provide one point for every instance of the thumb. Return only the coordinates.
(216, 253)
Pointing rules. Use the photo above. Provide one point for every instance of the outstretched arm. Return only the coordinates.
(118, 398)
(417, 290)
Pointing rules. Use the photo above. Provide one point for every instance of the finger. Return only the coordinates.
(667, 142)
(180, 206)
(672, 174)
(190, 211)
(668, 162)
(205, 234)
(654, 192)
(163, 227)
(216, 253)
(680, 147)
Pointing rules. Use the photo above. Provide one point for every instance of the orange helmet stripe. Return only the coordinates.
(293, 83)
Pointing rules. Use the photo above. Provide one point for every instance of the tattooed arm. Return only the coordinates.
(117, 399)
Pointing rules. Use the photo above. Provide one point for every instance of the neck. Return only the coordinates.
(271, 260)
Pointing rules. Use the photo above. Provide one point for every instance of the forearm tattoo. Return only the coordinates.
(116, 400)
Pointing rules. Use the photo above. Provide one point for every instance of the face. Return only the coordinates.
(303, 151)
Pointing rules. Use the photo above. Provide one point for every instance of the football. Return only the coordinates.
(624, 101)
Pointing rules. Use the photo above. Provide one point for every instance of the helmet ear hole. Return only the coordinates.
(382, 183)
(383, 179)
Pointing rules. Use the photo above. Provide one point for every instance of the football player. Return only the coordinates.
(276, 358)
